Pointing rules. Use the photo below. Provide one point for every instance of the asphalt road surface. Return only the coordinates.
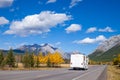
(93, 73)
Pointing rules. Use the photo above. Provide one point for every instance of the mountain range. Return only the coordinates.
(36, 48)
(107, 50)
(45, 48)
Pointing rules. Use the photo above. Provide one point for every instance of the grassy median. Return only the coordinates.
(113, 73)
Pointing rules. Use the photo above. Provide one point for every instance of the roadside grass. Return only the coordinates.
(41, 67)
(65, 65)
(113, 73)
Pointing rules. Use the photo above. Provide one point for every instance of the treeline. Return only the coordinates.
(116, 61)
(8, 59)
(30, 59)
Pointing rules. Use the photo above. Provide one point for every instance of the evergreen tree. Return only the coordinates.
(10, 60)
(31, 60)
(26, 60)
(1, 57)
(37, 62)
(3, 63)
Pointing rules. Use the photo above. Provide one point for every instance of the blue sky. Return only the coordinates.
(71, 25)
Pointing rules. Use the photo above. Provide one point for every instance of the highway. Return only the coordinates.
(97, 72)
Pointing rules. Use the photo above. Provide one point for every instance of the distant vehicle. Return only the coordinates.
(79, 61)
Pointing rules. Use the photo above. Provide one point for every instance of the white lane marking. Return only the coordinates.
(86, 74)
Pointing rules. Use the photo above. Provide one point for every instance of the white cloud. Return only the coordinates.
(73, 28)
(92, 29)
(37, 23)
(3, 21)
(84, 41)
(74, 2)
(107, 29)
(88, 40)
(100, 38)
(51, 1)
(5, 3)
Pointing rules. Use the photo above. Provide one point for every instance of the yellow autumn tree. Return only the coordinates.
(42, 59)
(49, 64)
(56, 58)
(51, 59)
(116, 60)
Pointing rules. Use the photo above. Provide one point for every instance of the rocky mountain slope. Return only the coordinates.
(45, 48)
(108, 44)
(107, 50)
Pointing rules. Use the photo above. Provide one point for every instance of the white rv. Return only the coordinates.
(79, 61)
